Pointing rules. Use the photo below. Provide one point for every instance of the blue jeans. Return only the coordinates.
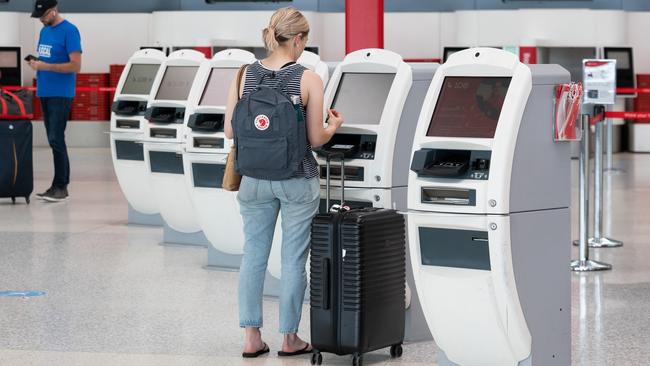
(260, 202)
(56, 111)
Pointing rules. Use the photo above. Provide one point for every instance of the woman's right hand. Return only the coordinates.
(335, 119)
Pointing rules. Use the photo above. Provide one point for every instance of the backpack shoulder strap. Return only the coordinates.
(297, 71)
(240, 76)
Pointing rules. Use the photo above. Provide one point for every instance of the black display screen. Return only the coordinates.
(624, 66)
(469, 106)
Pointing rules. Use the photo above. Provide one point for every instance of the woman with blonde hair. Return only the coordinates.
(297, 199)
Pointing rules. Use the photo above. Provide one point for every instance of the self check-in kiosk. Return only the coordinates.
(133, 93)
(164, 142)
(489, 221)
(205, 158)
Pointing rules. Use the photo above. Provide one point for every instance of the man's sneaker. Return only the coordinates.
(57, 195)
(48, 192)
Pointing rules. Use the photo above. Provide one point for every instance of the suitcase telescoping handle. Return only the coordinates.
(328, 161)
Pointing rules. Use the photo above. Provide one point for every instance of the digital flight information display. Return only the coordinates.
(469, 107)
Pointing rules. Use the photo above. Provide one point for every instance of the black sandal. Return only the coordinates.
(296, 353)
(264, 350)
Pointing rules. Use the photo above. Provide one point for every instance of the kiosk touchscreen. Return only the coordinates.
(489, 221)
(164, 139)
(133, 93)
(205, 158)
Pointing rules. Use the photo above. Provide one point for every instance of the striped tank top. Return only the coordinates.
(271, 78)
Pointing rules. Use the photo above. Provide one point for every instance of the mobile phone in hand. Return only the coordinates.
(29, 58)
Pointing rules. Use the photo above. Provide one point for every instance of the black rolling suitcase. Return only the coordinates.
(358, 273)
(16, 167)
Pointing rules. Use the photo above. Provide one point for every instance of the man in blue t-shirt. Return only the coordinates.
(59, 60)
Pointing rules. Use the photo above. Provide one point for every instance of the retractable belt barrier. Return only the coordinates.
(79, 89)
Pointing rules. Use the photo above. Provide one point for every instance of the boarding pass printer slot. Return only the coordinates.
(127, 123)
(449, 196)
(208, 143)
(163, 133)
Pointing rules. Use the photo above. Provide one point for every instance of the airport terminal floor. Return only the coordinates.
(115, 296)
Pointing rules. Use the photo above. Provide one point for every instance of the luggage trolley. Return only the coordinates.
(489, 220)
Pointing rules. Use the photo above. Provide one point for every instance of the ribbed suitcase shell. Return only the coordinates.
(357, 281)
(16, 166)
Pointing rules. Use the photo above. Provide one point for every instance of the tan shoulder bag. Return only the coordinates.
(231, 178)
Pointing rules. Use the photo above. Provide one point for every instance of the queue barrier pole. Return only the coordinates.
(584, 264)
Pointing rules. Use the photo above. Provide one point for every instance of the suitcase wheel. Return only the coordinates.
(13, 200)
(316, 358)
(357, 359)
(27, 200)
(396, 351)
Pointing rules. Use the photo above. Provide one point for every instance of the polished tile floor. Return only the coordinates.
(114, 296)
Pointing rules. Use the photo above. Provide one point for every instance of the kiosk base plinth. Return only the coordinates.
(138, 218)
(589, 266)
(220, 261)
(174, 238)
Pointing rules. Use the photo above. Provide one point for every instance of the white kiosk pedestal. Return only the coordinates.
(133, 93)
(205, 158)
(164, 146)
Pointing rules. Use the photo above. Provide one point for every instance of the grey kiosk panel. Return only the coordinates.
(541, 169)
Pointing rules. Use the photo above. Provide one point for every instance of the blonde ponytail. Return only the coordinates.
(285, 24)
(270, 40)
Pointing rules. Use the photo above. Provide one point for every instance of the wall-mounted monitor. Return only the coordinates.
(177, 83)
(10, 66)
(216, 89)
(361, 97)
(469, 106)
(624, 66)
(140, 79)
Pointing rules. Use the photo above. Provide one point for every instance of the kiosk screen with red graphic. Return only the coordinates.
(469, 107)
(216, 90)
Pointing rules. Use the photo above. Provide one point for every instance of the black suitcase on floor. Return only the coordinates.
(358, 274)
(16, 135)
